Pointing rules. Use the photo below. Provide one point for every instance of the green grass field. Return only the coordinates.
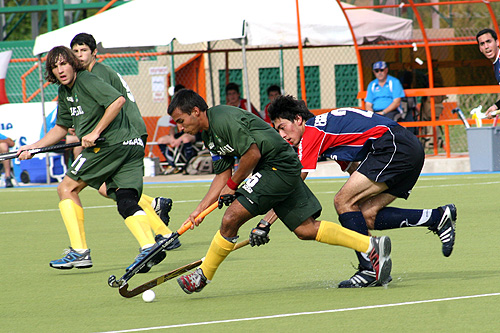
(286, 286)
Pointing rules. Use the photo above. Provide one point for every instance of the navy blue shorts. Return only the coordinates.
(396, 158)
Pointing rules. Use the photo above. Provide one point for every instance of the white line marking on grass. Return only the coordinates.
(457, 184)
(284, 315)
(57, 209)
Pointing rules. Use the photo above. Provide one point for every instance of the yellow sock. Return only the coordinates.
(153, 219)
(70, 213)
(147, 199)
(80, 219)
(139, 227)
(217, 252)
(334, 234)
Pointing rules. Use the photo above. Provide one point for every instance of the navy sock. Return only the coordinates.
(356, 222)
(392, 218)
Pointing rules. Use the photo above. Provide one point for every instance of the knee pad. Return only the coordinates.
(127, 202)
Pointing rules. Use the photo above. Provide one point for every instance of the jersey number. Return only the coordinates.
(125, 85)
(77, 164)
(342, 112)
(251, 182)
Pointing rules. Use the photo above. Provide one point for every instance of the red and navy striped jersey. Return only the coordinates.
(344, 135)
(496, 67)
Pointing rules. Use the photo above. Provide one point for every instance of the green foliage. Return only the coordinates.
(286, 276)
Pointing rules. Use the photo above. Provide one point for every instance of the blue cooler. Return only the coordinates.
(36, 168)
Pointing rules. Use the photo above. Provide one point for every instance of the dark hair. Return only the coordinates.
(178, 87)
(273, 88)
(232, 86)
(287, 107)
(84, 39)
(186, 100)
(487, 31)
(53, 58)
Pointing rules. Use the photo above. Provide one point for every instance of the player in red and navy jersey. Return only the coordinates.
(384, 161)
(489, 46)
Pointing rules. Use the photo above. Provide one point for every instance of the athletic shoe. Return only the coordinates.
(445, 229)
(361, 279)
(8, 182)
(380, 257)
(193, 282)
(162, 207)
(73, 259)
(175, 244)
(154, 261)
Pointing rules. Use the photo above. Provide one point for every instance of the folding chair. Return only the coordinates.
(175, 155)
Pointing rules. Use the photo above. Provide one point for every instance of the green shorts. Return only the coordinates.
(287, 194)
(119, 166)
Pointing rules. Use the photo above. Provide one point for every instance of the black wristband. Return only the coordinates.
(498, 104)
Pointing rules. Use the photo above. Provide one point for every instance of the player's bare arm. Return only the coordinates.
(247, 163)
(109, 115)
(56, 134)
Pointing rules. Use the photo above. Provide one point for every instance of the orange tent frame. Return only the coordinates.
(427, 43)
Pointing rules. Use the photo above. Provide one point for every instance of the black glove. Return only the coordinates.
(226, 199)
(260, 235)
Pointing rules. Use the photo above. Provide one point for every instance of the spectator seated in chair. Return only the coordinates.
(176, 139)
(5, 145)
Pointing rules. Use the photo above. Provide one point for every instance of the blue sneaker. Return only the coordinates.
(72, 259)
(162, 207)
(175, 244)
(155, 261)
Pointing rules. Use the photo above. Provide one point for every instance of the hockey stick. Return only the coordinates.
(461, 116)
(157, 248)
(11, 155)
(167, 276)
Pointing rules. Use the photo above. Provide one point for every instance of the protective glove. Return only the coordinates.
(260, 234)
(226, 199)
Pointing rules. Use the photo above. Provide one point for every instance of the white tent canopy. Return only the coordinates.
(141, 23)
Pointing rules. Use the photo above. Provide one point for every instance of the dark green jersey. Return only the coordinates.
(110, 76)
(233, 130)
(83, 106)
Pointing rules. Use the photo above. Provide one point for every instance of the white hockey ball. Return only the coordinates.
(148, 296)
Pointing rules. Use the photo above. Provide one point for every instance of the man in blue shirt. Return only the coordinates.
(487, 40)
(384, 93)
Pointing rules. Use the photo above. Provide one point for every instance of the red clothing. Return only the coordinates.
(267, 119)
(243, 105)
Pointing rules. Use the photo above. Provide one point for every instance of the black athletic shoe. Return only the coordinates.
(162, 207)
(175, 244)
(445, 229)
(362, 278)
(154, 261)
(8, 182)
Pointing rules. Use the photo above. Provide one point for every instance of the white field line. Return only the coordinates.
(284, 315)
(185, 201)
(51, 188)
(426, 186)
(89, 207)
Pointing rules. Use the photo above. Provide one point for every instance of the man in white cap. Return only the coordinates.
(384, 93)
